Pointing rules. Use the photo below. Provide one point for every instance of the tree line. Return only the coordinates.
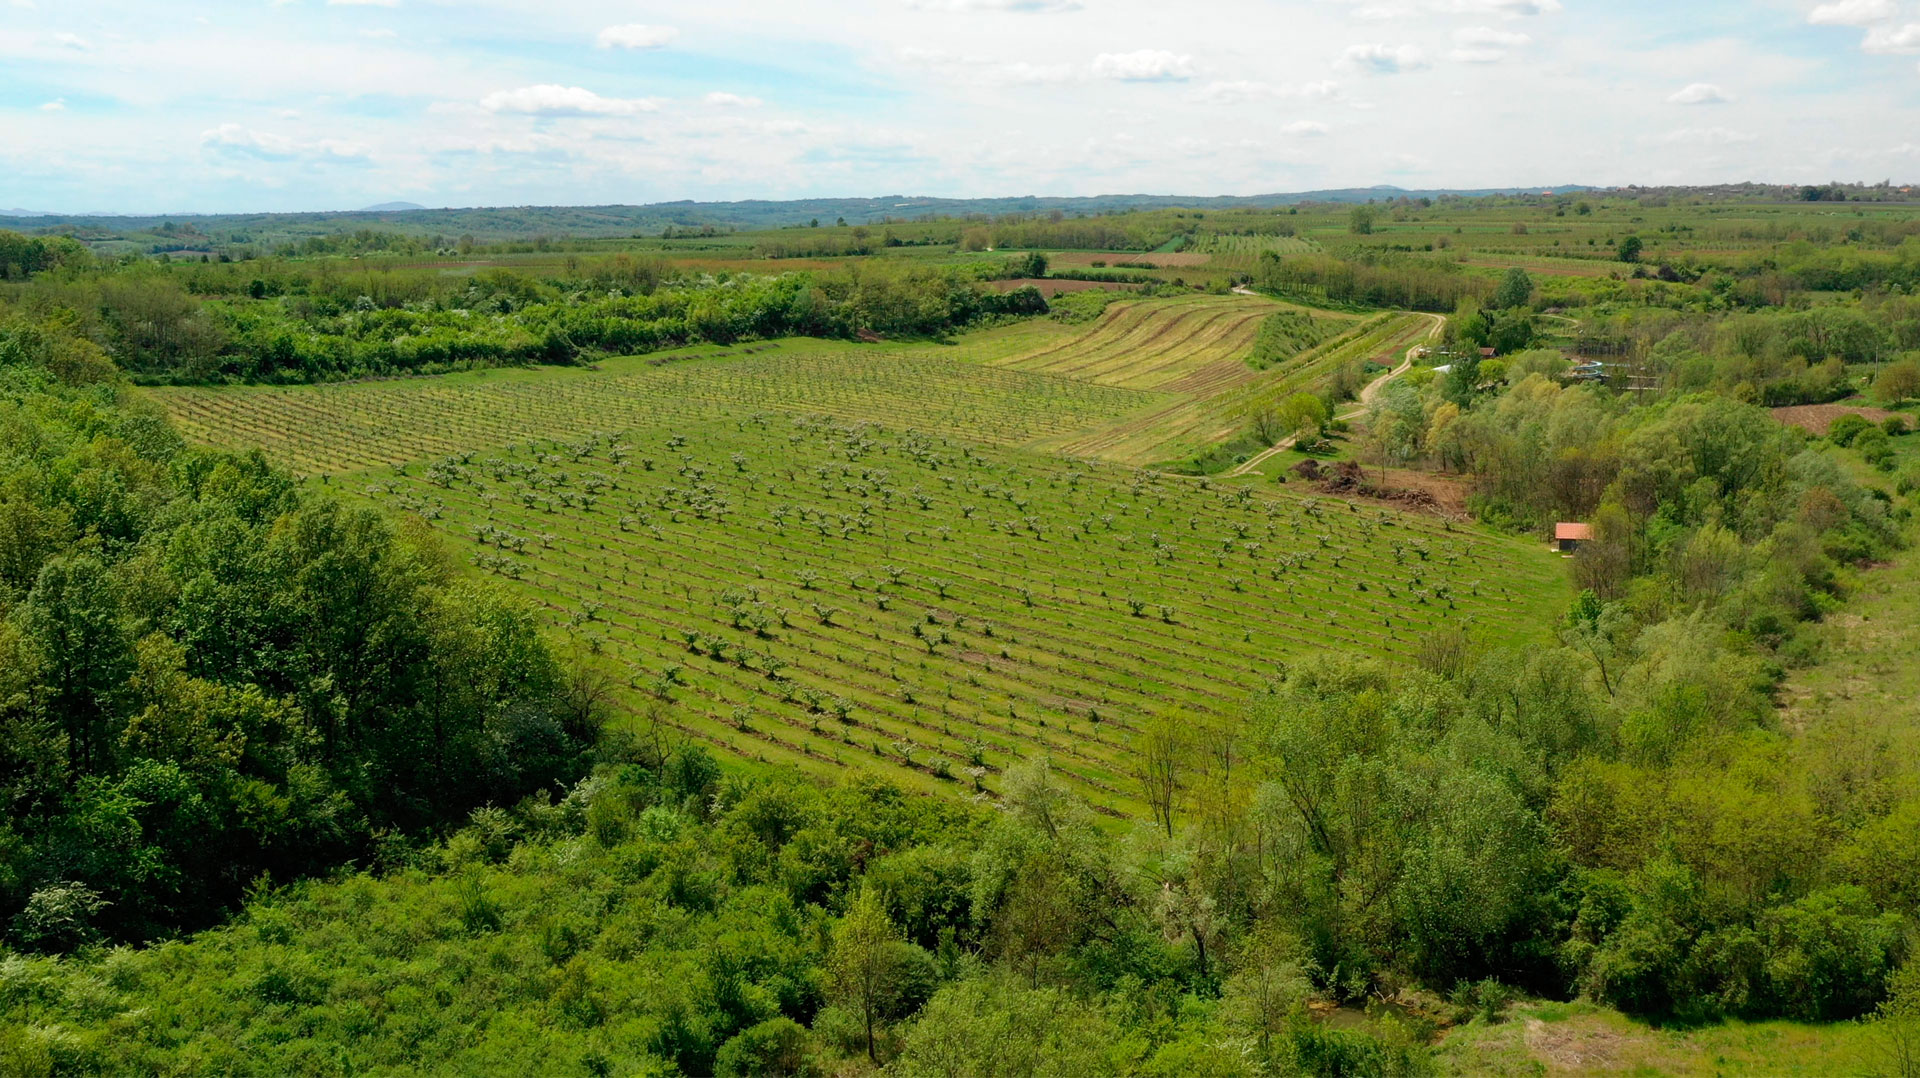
(286, 323)
(211, 677)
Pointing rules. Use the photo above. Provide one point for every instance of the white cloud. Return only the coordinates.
(1016, 7)
(71, 41)
(636, 35)
(58, 104)
(1143, 65)
(1699, 93)
(986, 70)
(1306, 129)
(1900, 41)
(1383, 59)
(1508, 9)
(550, 99)
(727, 100)
(363, 3)
(235, 139)
(1708, 136)
(1241, 90)
(1512, 9)
(379, 33)
(1488, 37)
(1485, 45)
(1853, 13)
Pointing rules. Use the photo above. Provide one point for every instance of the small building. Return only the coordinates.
(1568, 537)
(1489, 353)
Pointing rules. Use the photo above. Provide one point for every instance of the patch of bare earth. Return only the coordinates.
(1048, 286)
(1400, 488)
(1569, 1048)
(1816, 418)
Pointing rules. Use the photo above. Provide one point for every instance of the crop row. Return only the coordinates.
(345, 428)
(1149, 344)
(820, 592)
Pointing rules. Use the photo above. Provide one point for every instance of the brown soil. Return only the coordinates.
(1816, 418)
(1050, 287)
(1440, 495)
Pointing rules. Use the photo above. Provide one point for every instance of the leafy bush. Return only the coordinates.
(1846, 428)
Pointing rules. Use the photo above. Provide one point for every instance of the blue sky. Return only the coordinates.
(246, 105)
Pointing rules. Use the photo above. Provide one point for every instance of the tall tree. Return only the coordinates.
(862, 962)
(1515, 289)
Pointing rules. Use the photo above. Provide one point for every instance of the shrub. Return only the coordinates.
(777, 1046)
(1874, 445)
(1845, 429)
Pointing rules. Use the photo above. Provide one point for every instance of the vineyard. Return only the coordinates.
(819, 554)
(1149, 381)
(1188, 345)
(810, 591)
(352, 427)
(1240, 254)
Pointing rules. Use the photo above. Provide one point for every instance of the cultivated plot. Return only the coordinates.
(805, 590)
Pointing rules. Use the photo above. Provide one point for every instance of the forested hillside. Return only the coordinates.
(210, 680)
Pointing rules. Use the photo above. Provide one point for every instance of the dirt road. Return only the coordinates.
(1367, 396)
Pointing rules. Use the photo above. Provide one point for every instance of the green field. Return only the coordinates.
(1149, 381)
(343, 428)
(799, 552)
(812, 591)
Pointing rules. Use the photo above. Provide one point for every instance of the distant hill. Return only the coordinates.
(113, 233)
(24, 213)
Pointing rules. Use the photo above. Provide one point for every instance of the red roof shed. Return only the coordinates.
(1568, 537)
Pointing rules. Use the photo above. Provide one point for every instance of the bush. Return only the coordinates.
(1828, 955)
(777, 1046)
(1337, 1053)
(1845, 429)
(1874, 445)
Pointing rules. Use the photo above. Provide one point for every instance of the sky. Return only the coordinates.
(158, 106)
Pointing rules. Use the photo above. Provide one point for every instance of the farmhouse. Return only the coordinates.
(1568, 537)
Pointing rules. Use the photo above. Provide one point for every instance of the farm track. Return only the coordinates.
(1212, 388)
(1367, 395)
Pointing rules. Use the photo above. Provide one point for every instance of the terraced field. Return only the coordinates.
(1212, 402)
(809, 591)
(1190, 345)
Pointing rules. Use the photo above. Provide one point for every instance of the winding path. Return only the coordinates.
(1367, 396)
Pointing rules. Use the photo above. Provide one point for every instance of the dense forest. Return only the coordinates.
(210, 679)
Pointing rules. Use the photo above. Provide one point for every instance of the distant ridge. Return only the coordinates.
(510, 223)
